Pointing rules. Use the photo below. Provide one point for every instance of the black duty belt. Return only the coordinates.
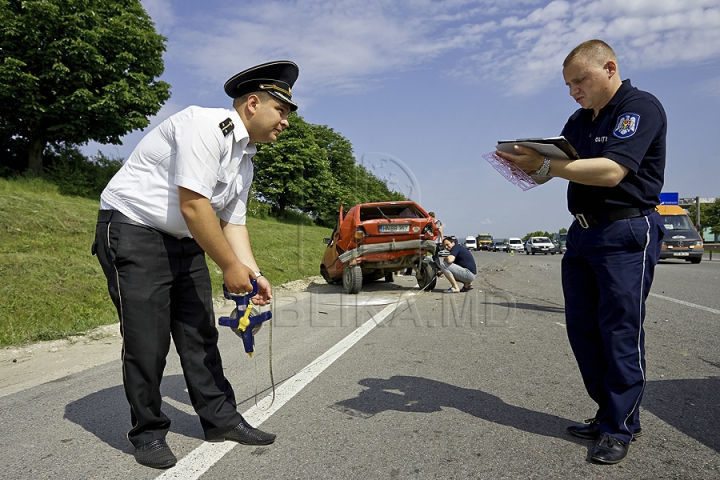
(113, 216)
(587, 220)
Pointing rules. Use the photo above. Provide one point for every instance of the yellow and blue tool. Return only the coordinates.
(243, 321)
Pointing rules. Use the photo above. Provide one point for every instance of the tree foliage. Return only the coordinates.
(709, 215)
(312, 169)
(72, 71)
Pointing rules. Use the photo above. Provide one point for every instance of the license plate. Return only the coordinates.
(681, 254)
(394, 228)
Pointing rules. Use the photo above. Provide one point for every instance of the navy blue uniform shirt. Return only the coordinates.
(629, 130)
(463, 258)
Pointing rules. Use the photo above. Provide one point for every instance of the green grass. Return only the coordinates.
(51, 287)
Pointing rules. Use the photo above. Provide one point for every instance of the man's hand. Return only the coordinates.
(527, 159)
(264, 294)
(237, 278)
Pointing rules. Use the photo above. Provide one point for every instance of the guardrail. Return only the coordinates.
(710, 247)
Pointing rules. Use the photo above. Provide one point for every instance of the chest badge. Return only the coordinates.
(627, 125)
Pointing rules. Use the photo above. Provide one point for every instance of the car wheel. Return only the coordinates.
(389, 277)
(426, 277)
(695, 259)
(352, 279)
(527, 253)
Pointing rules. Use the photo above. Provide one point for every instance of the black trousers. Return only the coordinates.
(161, 287)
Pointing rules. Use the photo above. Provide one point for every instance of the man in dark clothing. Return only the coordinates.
(459, 265)
(615, 241)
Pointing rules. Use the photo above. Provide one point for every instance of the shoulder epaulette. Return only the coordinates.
(227, 126)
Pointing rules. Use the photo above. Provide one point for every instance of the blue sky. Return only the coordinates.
(423, 88)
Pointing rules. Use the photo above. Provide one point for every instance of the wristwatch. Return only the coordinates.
(258, 274)
(545, 169)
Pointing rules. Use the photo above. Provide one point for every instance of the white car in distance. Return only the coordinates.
(515, 244)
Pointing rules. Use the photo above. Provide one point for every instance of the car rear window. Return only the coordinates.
(389, 211)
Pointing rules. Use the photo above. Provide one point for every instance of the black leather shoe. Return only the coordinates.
(609, 450)
(245, 434)
(591, 431)
(155, 454)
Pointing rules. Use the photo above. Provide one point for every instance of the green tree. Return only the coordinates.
(72, 71)
(709, 215)
(294, 173)
(311, 169)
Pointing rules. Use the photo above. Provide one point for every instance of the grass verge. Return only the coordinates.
(51, 287)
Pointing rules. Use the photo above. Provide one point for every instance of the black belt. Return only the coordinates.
(587, 220)
(113, 216)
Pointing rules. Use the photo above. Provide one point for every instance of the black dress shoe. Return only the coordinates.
(245, 434)
(591, 431)
(155, 454)
(609, 450)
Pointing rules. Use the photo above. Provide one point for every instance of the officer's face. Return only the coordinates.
(268, 120)
(589, 83)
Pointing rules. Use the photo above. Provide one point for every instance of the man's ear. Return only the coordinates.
(611, 68)
(253, 100)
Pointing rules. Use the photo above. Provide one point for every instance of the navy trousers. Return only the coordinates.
(161, 287)
(607, 272)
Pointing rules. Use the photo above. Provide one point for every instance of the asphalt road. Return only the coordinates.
(394, 383)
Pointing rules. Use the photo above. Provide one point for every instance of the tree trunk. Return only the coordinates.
(35, 156)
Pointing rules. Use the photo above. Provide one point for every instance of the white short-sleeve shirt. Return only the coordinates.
(187, 150)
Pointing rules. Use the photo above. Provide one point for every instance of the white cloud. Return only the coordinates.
(346, 45)
(161, 13)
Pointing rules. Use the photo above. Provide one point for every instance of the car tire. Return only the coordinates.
(527, 253)
(389, 277)
(695, 259)
(426, 277)
(352, 279)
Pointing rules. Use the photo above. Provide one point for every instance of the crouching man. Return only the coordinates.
(459, 266)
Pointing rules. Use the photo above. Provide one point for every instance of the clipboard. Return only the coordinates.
(557, 147)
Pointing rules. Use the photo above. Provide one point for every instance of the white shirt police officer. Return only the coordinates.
(158, 219)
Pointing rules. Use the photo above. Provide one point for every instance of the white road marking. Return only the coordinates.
(197, 462)
(687, 304)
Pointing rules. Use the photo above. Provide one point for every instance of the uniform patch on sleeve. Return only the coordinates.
(627, 125)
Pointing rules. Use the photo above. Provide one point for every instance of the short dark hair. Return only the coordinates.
(449, 239)
(596, 51)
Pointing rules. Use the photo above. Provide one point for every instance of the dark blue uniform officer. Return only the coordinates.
(612, 248)
(615, 241)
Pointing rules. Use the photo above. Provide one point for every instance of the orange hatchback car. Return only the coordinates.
(374, 240)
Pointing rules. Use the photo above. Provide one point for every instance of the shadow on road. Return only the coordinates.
(106, 413)
(422, 395)
(690, 406)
